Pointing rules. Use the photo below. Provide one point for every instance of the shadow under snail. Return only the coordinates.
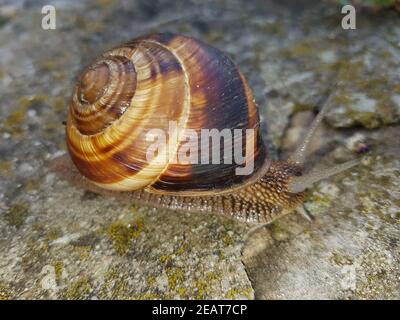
(151, 81)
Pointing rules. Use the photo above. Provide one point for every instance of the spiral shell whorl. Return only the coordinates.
(143, 85)
(93, 83)
(104, 91)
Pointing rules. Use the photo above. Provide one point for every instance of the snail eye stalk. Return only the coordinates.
(299, 184)
(299, 156)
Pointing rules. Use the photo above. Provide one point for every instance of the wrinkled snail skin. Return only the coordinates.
(145, 84)
(261, 202)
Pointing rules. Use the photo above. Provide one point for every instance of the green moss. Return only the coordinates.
(58, 269)
(301, 48)
(165, 259)
(122, 235)
(202, 289)
(387, 111)
(199, 289)
(182, 249)
(35, 256)
(15, 216)
(299, 107)
(234, 293)
(13, 123)
(227, 240)
(115, 285)
(150, 296)
(368, 119)
(221, 255)
(6, 168)
(136, 228)
(15, 118)
(78, 289)
(343, 100)
(32, 184)
(373, 87)
(53, 234)
(5, 293)
(83, 252)
(203, 285)
(175, 277)
(38, 227)
(278, 232)
(396, 89)
(212, 276)
(349, 69)
(47, 65)
(151, 280)
(182, 291)
(321, 202)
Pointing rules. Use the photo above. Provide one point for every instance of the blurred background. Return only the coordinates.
(57, 241)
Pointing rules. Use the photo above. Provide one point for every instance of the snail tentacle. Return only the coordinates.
(299, 156)
(299, 184)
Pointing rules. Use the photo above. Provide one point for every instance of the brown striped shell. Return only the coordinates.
(143, 85)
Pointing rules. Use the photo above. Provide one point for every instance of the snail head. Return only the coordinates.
(300, 182)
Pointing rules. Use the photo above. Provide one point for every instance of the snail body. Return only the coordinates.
(150, 82)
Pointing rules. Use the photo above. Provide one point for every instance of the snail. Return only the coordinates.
(157, 79)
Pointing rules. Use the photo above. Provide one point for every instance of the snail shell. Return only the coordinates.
(145, 84)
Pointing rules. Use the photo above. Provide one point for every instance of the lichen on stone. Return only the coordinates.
(16, 215)
(5, 293)
(176, 277)
(79, 289)
(122, 234)
(239, 293)
(58, 269)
